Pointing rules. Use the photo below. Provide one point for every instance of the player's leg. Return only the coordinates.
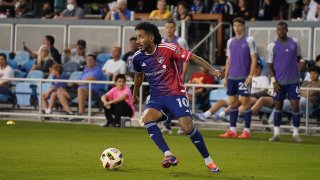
(233, 112)
(247, 113)
(278, 104)
(262, 101)
(197, 139)
(294, 97)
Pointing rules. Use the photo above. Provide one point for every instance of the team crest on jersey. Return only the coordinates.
(178, 51)
(160, 59)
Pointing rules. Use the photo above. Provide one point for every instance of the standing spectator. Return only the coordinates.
(197, 7)
(5, 72)
(183, 14)
(73, 11)
(44, 60)
(129, 55)
(115, 65)
(242, 10)
(22, 9)
(7, 7)
(283, 56)
(240, 67)
(222, 7)
(92, 73)
(161, 13)
(51, 94)
(49, 42)
(77, 54)
(117, 102)
(119, 12)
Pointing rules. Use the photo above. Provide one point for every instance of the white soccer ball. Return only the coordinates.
(111, 158)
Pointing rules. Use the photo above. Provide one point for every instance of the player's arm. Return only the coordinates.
(138, 80)
(270, 58)
(252, 69)
(226, 73)
(201, 62)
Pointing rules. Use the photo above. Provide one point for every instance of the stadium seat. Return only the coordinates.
(26, 67)
(12, 64)
(70, 67)
(102, 58)
(21, 57)
(216, 95)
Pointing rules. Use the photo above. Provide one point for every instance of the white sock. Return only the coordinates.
(247, 129)
(277, 130)
(207, 114)
(168, 153)
(222, 113)
(233, 129)
(208, 160)
(48, 111)
(295, 131)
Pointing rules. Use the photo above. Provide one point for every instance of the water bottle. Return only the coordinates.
(132, 16)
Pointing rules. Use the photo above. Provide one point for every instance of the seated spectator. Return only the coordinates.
(316, 63)
(141, 7)
(44, 61)
(183, 14)
(129, 55)
(242, 10)
(119, 12)
(91, 72)
(51, 94)
(46, 11)
(22, 9)
(197, 7)
(115, 65)
(77, 55)
(161, 13)
(222, 7)
(7, 7)
(49, 42)
(73, 11)
(117, 102)
(5, 72)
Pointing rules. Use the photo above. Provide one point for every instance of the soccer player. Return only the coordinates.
(240, 67)
(158, 62)
(284, 57)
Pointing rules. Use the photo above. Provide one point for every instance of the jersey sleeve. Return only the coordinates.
(298, 46)
(136, 66)
(270, 52)
(252, 45)
(228, 47)
(181, 54)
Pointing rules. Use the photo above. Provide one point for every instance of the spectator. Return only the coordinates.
(77, 55)
(129, 55)
(141, 7)
(117, 102)
(92, 73)
(49, 42)
(119, 12)
(59, 6)
(242, 10)
(222, 7)
(22, 9)
(115, 65)
(5, 72)
(73, 11)
(305, 9)
(183, 14)
(47, 11)
(44, 60)
(263, 10)
(161, 13)
(7, 7)
(51, 94)
(197, 7)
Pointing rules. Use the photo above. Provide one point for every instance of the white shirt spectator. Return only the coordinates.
(7, 72)
(114, 67)
(258, 82)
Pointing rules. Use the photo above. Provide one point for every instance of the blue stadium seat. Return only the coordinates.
(26, 67)
(70, 67)
(21, 57)
(102, 58)
(12, 64)
(216, 95)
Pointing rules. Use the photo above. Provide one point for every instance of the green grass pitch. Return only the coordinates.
(39, 150)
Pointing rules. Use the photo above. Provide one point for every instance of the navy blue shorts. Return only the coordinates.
(237, 87)
(290, 90)
(172, 106)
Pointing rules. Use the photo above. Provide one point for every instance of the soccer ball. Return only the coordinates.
(111, 158)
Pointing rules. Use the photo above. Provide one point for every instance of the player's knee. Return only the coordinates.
(145, 119)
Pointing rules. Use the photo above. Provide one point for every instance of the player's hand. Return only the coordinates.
(135, 99)
(225, 82)
(220, 74)
(276, 86)
(248, 81)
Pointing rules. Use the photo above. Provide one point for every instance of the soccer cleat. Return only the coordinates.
(229, 134)
(200, 117)
(296, 138)
(169, 161)
(245, 135)
(213, 168)
(275, 138)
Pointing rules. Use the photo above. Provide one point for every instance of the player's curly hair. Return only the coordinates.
(150, 29)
